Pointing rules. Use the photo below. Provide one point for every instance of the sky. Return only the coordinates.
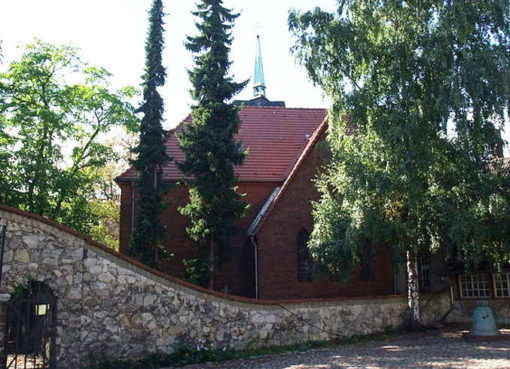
(111, 34)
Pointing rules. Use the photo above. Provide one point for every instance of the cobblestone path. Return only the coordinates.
(432, 349)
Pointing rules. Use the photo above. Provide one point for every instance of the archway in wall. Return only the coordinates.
(31, 328)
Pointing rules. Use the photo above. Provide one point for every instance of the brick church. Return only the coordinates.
(269, 258)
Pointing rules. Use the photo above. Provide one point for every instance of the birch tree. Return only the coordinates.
(420, 91)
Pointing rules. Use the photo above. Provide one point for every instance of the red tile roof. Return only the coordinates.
(277, 195)
(274, 137)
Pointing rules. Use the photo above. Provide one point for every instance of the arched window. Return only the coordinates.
(304, 261)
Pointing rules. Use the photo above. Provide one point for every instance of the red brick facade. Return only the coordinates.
(277, 250)
(277, 240)
(236, 274)
(282, 153)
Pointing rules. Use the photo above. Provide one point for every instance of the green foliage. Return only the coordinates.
(197, 271)
(106, 207)
(106, 230)
(52, 131)
(420, 90)
(209, 141)
(146, 243)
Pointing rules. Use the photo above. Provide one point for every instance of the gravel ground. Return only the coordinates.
(432, 349)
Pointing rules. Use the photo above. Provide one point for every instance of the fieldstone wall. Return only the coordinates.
(110, 305)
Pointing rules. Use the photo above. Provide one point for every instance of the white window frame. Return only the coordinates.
(476, 284)
(506, 278)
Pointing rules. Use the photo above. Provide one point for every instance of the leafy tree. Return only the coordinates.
(420, 90)
(52, 130)
(106, 204)
(209, 141)
(146, 243)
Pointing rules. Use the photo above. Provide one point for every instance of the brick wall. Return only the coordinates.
(236, 274)
(278, 249)
(126, 209)
(276, 239)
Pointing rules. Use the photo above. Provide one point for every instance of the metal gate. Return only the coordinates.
(30, 329)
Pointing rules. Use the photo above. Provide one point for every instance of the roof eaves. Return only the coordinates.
(125, 178)
(261, 179)
(262, 211)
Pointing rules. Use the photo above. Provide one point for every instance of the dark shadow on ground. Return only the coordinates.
(430, 349)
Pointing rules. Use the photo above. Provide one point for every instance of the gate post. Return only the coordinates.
(4, 300)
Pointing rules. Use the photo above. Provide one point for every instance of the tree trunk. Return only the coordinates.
(413, 294)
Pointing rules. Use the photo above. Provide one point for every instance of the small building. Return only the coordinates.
(269, 259)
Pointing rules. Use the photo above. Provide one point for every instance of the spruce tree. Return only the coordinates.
(209, 141)
(146, 243)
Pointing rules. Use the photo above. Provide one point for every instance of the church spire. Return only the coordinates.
(259, 84)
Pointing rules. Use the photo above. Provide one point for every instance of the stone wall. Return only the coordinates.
(462, 311)
(111, 305)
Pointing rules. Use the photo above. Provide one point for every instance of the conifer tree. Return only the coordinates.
(209, 141)
(149, 231)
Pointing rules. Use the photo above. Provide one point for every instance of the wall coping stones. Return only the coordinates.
(111, 305)
(125, 261)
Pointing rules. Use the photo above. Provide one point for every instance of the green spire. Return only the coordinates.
(259, 85)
